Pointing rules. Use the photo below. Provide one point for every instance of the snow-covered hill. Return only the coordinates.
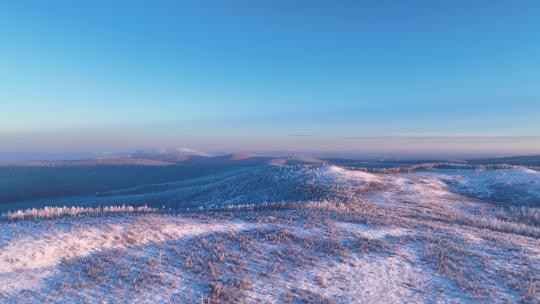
(511, 186)
(311, 232)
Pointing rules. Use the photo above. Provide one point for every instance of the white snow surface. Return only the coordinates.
(519, 186)
(34, 255)
(26, 259)
(337, 173)
(410, 238)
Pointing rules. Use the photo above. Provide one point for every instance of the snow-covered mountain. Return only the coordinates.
(515, 186)
(308, 232)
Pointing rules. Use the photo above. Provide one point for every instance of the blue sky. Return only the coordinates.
(319, 76)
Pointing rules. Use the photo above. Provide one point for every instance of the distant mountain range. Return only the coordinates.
(26, 180)
(166, 157)
(176, 156)
(533, 160)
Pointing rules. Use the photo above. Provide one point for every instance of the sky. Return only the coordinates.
(439, 77)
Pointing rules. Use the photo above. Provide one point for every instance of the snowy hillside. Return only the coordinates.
(314, 233)
(516, 186)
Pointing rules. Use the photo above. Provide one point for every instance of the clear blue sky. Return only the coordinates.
(372, 76)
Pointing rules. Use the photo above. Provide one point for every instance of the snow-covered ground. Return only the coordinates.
(315, 234)
(517, 186)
